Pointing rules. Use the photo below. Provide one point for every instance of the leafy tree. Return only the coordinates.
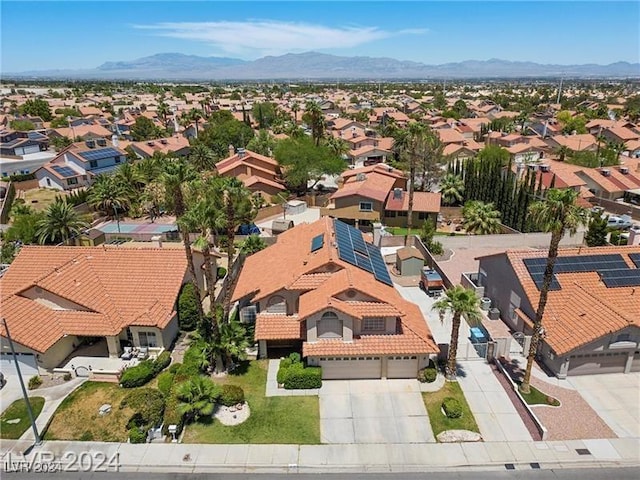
(480, 218)
(60, 223)
(24, 227)
(452, 189)
(304, 162)
(223, 130)
(252, 244)
(571, 123)
(558, 214)
(459, 301)
(264, 113)
(263, 143)
(22, 125)
(144, 129)
(439, 101)
(427, 232)
(8, 251)
(596, 235)
(60, 143)
(197, 397)
(188, 317)
(37, 108)
(338, 146)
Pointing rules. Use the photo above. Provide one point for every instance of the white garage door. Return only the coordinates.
(345, 368)
(28, 366)
(402, 367)
(597, 363)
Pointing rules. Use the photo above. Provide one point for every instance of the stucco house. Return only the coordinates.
(329, 296)
(56, 298)
(592, 318)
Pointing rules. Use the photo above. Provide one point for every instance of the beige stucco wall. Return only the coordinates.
(53, 357)
(312, 325)
(51, 300)
(170, 332)
(290, 296)
(390, 327)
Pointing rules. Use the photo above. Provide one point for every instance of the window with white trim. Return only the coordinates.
(373, 324)
(329, 326)
(366, 206)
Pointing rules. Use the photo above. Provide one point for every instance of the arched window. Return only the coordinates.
(329, 326)
(277, 304)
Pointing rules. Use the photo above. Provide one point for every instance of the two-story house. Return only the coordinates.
(328, 295)
(77, 165)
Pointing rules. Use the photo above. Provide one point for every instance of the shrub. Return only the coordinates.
(452, 407)
(231, 395)
(137, 435)
(303, 378)
(294, 357)
(428, 375)
(162, 362)
(172, 415)
(221, 272)
(138, 375)
(148, 404)
(35, 382)
(174, 367)
(165, 379)
(188, 316)
(67, 376)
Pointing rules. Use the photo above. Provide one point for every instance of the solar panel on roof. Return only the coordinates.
(635, 258)
(65, 171)
(99, 154)
(317, 242)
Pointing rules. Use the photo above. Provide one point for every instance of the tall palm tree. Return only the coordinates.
(177, 173)
(480, 218)
(202, 157)
(148, 169)
(128, 176)
(195, 116)
(60, 223)
(556, 213)
(163, 110)
(314, 118)
(451, 189)
(110, 196)
(295, 108)
(460, 301)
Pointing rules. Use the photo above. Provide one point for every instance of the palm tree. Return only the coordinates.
(563, 151)
(314, 118)
(460, 301)
(130, 179)
(177, 173)
(110, 196)
(338, 146)
(60, 223)
(148, 169)
(197, 398)
(233, 342)
(202, 157)
(451, 189)
(252, 244)
(556, 213)
(195, 115)
(163, 110)
(480, 218)
(295, 108)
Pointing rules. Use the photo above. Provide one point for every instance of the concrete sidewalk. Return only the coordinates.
(417, 457)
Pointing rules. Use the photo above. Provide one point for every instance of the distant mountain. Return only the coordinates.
(313, 65)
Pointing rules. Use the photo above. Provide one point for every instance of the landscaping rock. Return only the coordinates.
(104, 409)
(13, 421)
(452, 436)
(231, 416)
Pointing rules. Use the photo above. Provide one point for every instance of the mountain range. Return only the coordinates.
(320, 66)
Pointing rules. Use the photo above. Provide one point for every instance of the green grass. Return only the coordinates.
(18, 409)
(273, 419)
(536, 397)
(439, 422)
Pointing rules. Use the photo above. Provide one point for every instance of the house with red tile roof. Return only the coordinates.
(591, 322)
(176, 146)
(342, 315)
(259, 173)
(54, 298)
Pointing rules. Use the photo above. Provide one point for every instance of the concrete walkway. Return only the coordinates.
(186, 458)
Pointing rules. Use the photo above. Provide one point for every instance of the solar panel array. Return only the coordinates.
(317, 242)
(573, 264)
(626, 277)
(635, 258)
(99, 154)
(353, 249)
(65, 172)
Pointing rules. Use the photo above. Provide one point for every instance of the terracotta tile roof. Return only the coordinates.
(584, 309)
(422, 202)
(375, 186)
(270, 326)
(326, 281)
(108, 289)
(257, 180)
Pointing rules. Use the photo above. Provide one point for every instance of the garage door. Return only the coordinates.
(345, 368)
(28, 366)
(635, 366)
(597, 363)
(402, 367)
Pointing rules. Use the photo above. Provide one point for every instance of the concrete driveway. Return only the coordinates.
(615, 398)
(373, 411)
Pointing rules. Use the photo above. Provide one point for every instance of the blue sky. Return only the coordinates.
(77, 34)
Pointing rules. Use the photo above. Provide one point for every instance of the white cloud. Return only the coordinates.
(269, 37)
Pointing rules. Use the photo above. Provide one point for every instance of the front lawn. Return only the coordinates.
(439, 422)
(536, 397)
(77, 417)
(294, 420)
(18, 409)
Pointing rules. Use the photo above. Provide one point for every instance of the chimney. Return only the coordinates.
(377, 228)
(241, 152)
(115, 140)
(156, 241)
(605, 172)
(232, 151)
(624, 170)
(634, 236)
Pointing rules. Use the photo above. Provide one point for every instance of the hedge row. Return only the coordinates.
(299, 377)
(145, 371)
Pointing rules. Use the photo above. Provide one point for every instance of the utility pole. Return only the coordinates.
(24, 390)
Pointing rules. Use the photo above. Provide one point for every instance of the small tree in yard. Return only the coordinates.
(460, 301)
(427, 233)
(596, 236)
(188, 316)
